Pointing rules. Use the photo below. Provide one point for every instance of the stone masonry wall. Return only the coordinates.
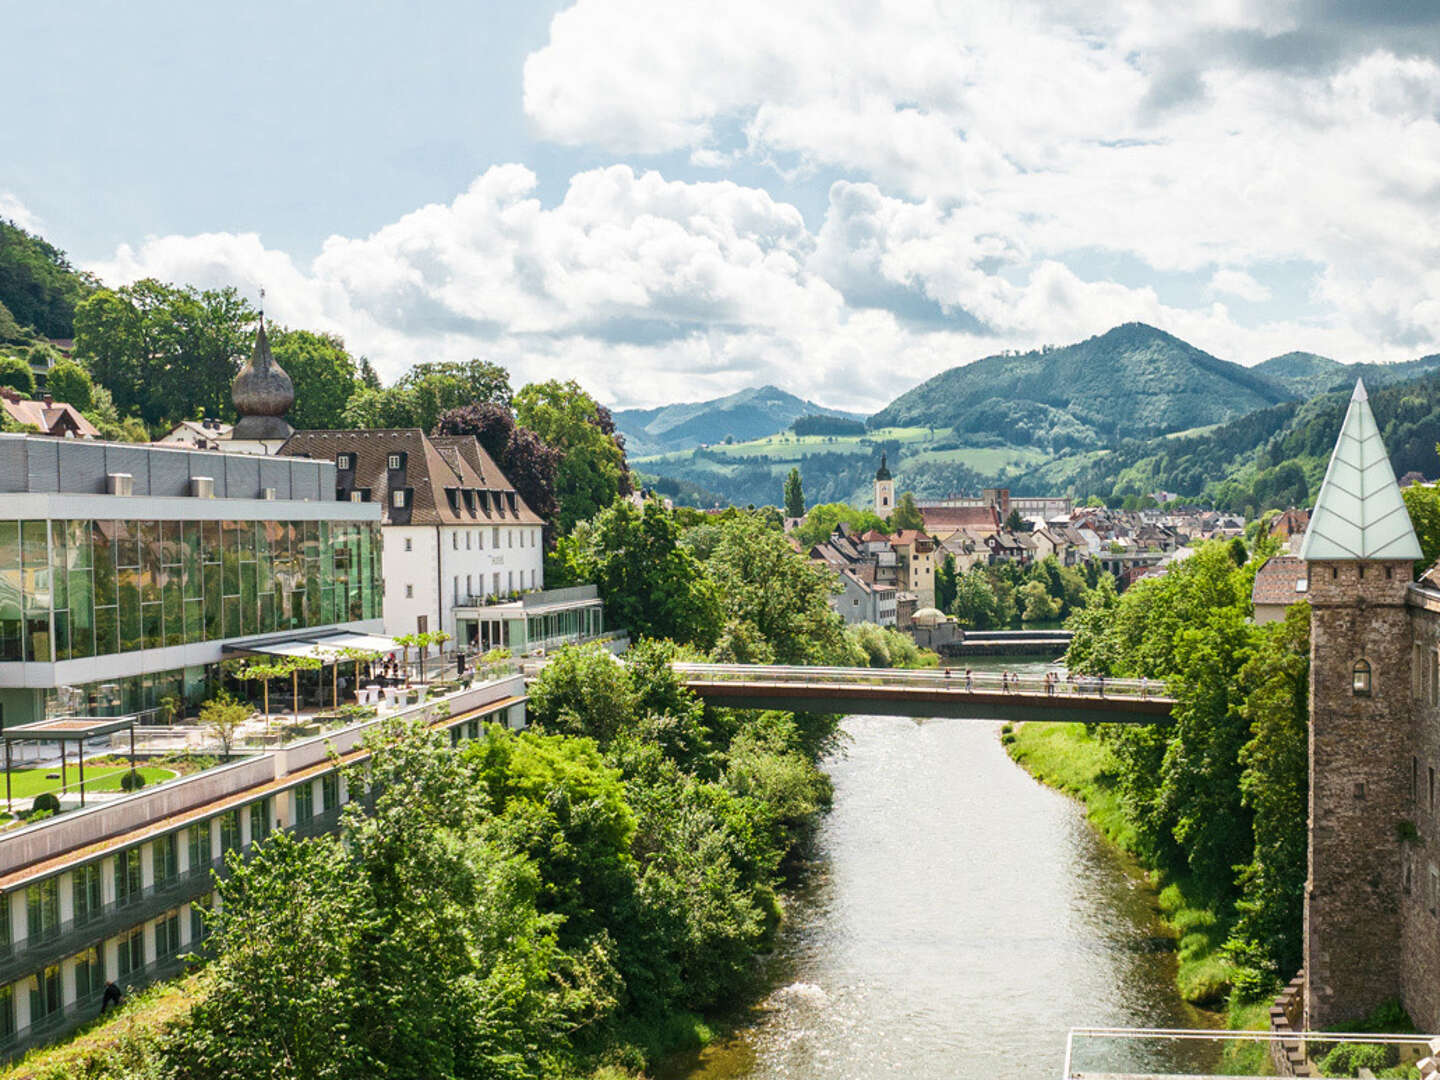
(1420, 857)
(1360, 751)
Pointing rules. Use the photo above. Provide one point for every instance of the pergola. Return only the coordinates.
(63, 730)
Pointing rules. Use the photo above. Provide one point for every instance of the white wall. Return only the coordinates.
(469, 560)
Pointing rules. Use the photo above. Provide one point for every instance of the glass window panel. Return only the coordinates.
(107, 637)
(11, 627)
(34, 546)
(102, 540)
(129, 604)
(259, 820)
(59, 567)
(192, 581)
(61, 644)
(10, 545)
(82, 615)
(166, 858)
(152, 625)
(194, 621)
(214, 630)
(232, 617)
(249, 599)
(127, 544)
(231, 582)
(198, 840)
(78, 541)
(170, 550)
(89, 975)
(37, 637)
(150, 562)
(211, 546)
(85, 892)
(174, 620)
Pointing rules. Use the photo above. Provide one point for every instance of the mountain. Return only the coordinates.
(1272, 458)
(1132, 381)
(749, 414)
(1304, 374)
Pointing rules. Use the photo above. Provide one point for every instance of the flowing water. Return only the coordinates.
(960, 919)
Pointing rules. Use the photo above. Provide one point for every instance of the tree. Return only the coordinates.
(592, 468)
(1015, 523)
(70, 383)
(821, 519)
(439, 386)
(37, 283)
(651, 584)
(1423, 503)
(522, 456)
(583, 691)
(975, 605)
(323, 372)
(945, 577)
(222, 716)
(1037, 604)
(776, 594)
(906, 515)
(10, 330)
(165, 353)
(16, 374)
(794, 495)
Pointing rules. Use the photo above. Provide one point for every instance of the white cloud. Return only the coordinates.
(976, 152)
(1239, 284)
(12, 208)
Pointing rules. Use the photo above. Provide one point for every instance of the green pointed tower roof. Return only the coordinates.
(1359, 513)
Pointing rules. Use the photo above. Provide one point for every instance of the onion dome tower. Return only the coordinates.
(262, 393)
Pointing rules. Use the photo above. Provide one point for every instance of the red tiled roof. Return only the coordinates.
(949, 518)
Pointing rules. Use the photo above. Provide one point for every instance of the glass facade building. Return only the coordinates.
(72, 589)
(128, 571)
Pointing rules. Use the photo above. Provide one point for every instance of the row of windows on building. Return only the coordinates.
(72, 589)
(86, 972)
(203, 842)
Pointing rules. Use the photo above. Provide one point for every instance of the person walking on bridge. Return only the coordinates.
(1144, 687)
(969, 681)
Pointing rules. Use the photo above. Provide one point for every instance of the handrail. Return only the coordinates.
(952, 678)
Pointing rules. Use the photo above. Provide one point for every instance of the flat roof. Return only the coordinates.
(67, 727)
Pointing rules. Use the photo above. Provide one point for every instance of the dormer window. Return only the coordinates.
(1360, 682)
(360, 495)
(452, 496)
(395, 462)
(468, 494)
(344, 462)
(400, 498)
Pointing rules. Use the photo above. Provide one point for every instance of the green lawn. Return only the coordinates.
(27, 783)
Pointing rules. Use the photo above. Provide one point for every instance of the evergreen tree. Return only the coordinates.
(794, 495)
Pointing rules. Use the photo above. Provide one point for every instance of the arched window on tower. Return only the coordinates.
(1361, 680)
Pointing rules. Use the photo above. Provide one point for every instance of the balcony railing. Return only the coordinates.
(75, 935)
(83, 1010)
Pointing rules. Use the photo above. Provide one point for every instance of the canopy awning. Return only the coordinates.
(329, 649)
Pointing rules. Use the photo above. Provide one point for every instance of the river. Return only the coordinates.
(960, 918)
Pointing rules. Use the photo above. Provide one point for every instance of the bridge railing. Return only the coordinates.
(952, 678)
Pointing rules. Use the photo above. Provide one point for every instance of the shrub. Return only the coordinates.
(47, 802)
(1348, 1059)
(132, 781)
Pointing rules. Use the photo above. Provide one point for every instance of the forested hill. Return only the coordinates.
(1305, 374)
(1272, 458)
(748, 414)
(1133, 380)
(38, 287)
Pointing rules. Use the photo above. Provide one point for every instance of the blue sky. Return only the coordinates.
(674, 201)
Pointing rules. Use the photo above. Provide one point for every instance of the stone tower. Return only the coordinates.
(884, 489)
(1358, 548)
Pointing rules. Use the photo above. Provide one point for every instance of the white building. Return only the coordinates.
(458, 539)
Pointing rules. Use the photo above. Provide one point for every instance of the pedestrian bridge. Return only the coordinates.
(929, 692)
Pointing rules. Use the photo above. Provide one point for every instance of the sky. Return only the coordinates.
(672, 201)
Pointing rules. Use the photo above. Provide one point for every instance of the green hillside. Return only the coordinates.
(1133, 380)
(38, 287)
(832, 467)
(1304, 374)
(748, 414)
(1274, 457)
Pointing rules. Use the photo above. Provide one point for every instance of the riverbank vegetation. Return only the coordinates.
(1214, 805)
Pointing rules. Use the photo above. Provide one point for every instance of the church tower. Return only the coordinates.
(262, 393)
(1359, 549)
(884, 489)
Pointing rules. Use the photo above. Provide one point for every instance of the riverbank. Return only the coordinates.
(1068, 758)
